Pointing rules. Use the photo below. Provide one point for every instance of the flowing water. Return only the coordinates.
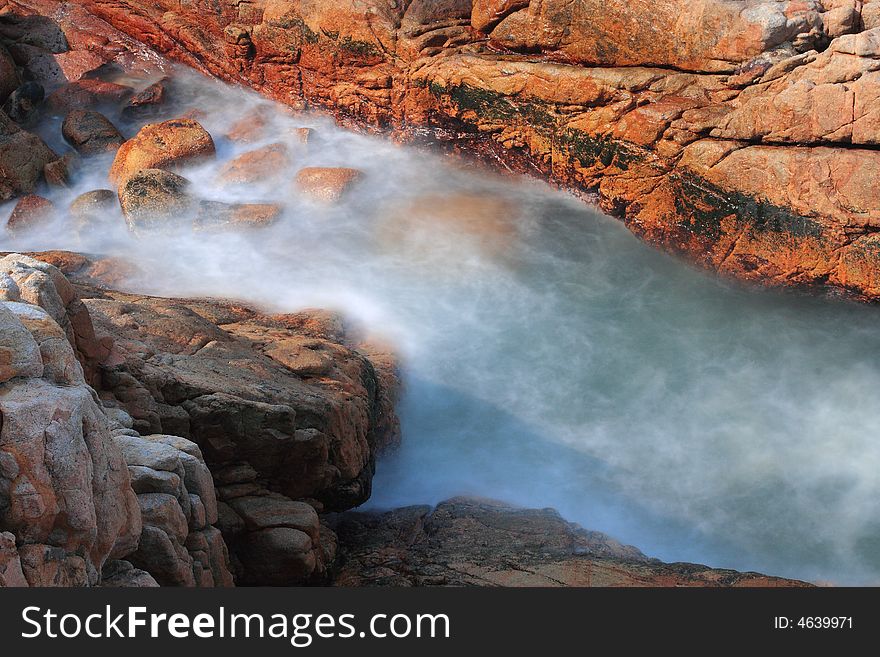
(550, 358)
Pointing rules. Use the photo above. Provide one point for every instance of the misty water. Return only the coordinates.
(550, 359)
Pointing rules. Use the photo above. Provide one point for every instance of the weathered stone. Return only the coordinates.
(22, 158)
(91, 132)
(30, 213)
(167, 145)
(154, 198)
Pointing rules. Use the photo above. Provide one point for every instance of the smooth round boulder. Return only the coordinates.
(94, 207)
(151, 198)
(326, 184)
(29, 213)
(91, 132)
(167, 145)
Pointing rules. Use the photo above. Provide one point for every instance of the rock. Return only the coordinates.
(473, 542)
(69, 501)
(326, 184)
(167, 145)
(86, 94)
(277, 557)
(153, 198)
(265, 164)
(488, 13)
(169, 563)
(22, 105)
(43, 285)
(162, 511)
(252, 127)
(121, 574)
(19, 352)
(599, 96)
(22, 158)
(214, 215)
(147, 102)
(273, 433)
(177, 498)
(149, 454)
(148, 480)
(94, 208)
(30, 213)
(60, 365)
(11, 574)
(480, 222)
(9, 77)
(91, 132)
(61, 172)
(267, 512)
(32, 29)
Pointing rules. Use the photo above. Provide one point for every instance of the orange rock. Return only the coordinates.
(488, 13)
(326, 184)
(214, 215)
(167, 145)
(259, 165)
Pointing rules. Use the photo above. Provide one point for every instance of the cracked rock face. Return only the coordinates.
(740, 134)
(287, 411)
(66, 503)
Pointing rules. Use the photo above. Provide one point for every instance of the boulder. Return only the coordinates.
(178, 504)
(23, 104)
(9, 77)
(62, 172)
(168, 145)
(488, 13)
(19, 351)
(68, 497)
(326, 184)
(279, 556)
(41, 284)
(22, 158)
(91, 132)
(86, 94)
(468, 222)
(11, 574)
(153, 198)
(147, 102)
(214, 215)
(263, 165)
(30, 213)
(94, 208)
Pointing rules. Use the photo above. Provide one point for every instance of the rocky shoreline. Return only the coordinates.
(198, 442)
(740, 135)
